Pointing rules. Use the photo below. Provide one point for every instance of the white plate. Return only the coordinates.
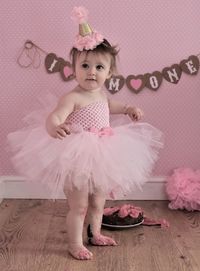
(122, 226)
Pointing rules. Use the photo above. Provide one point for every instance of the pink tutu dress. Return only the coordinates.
(116, 160)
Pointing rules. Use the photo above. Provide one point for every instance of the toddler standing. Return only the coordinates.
(79, 151)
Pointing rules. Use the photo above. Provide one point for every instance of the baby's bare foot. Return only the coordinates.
(102, 240)
(80, 252)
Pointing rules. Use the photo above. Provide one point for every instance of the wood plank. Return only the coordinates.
(24, 234)
(6, 207)
(34, 237)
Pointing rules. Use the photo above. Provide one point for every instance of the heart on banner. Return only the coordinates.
(66, 71)
(135, 83)
(190, 65)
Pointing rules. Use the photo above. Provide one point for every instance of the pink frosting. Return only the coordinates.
(134, 211)
(124, 210)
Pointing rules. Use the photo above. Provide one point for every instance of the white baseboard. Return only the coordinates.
(17, 187)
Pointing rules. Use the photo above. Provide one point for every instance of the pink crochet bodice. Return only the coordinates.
(93, 115)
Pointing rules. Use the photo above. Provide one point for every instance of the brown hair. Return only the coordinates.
(104, 47)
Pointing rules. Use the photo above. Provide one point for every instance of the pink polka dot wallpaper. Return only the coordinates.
(151, 35)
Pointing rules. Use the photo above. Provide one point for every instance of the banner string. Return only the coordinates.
(31, 51)
(30, 55)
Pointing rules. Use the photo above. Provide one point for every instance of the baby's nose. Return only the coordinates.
(92, 71)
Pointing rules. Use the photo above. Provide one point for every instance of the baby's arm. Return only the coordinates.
(55, 123)
(116, 107)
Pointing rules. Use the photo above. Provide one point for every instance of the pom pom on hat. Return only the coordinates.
(79, 14)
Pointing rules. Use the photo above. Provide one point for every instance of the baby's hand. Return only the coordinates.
(134, 113)
(62, 131)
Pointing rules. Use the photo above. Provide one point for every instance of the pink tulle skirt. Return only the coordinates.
(116, 164)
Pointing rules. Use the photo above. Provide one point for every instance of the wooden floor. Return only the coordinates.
(33, 237)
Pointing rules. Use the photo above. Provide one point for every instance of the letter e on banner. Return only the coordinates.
(190, 65)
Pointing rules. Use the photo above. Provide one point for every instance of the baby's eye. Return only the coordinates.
(99, 67)
(85, 66)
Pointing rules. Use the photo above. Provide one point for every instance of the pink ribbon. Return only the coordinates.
(106, 131)
(156, 222)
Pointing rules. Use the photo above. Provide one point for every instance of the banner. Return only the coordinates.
(136, 83)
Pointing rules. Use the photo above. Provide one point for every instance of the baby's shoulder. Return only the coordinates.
(71, 96)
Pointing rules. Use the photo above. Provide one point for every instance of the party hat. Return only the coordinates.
(87, 39)
(85, 29)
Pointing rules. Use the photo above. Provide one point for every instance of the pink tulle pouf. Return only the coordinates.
(183, 189)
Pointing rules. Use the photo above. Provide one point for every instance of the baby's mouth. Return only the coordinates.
(91, 79)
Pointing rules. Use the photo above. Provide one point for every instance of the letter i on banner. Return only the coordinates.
(52, 63)
(57, 64)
